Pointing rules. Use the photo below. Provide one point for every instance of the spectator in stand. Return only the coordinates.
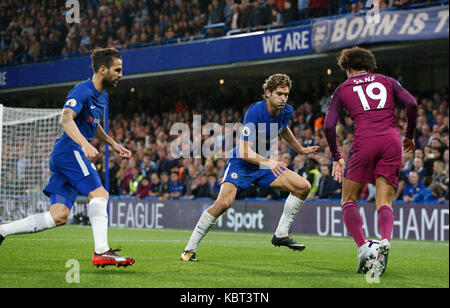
(245, 14)
(433, 192)
(155, 186)
(228, 13)
(144, 188)
(299, 164)
(257, 19)
(413, 187)
(303, 9)
(216, 13)
(235, 18)
(308, 137)
(318, 8)
(312, 174)
(287, 159)
(176, 187)
(164, 188)
(148, 166)
(164, 163)
(128, 175)
(214, 186)
(424, 136)
(328, 187)
(269, 7)
(419, 168)
(290, 11)
(439, 171)
(200, 187)
(135, 180)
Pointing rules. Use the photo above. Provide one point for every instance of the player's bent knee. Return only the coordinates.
(60, 214)
(60, 218)
(99, 193)
(222, 205)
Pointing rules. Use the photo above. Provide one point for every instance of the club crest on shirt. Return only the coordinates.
(234, 175)
(71, 102)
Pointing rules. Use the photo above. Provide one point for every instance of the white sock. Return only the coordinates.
(291, 208)
(31, 224)
(98, 217)
(205, 223)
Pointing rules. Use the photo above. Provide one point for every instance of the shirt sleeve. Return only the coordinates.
(405, 98)
(75, 100)
(287, 117)
(331, 120)
(250, 125)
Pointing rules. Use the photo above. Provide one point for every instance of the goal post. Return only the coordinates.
(27, 136)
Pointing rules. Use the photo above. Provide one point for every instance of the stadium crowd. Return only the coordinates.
(154, 172)
(37, 30)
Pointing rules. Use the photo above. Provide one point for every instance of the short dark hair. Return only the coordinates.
(104, 56)
(357, 58)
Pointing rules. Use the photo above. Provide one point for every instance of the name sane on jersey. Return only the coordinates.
(364, 80)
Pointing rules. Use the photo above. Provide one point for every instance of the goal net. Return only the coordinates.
(27, 137)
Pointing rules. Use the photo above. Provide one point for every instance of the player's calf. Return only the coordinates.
(31, 224)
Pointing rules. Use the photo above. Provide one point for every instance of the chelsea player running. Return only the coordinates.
(251, 162)
(70, 161)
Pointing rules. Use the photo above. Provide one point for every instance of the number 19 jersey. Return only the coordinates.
(376, 149)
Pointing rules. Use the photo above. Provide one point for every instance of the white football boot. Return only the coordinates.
(365, 254)
(380, 264)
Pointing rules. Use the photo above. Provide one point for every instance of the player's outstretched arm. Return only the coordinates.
(289, 136)
(104, 137)
(70, 127)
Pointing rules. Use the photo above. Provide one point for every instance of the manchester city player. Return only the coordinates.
(252, 162)
(376, 153)
(70, 161)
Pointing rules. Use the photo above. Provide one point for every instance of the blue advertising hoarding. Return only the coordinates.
(388, 26)
(254, 46)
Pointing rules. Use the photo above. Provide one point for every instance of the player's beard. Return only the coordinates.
(108, 82)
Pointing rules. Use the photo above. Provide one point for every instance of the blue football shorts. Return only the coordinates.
(71, 172)
(243, 174)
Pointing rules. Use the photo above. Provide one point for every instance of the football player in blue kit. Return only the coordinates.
(252, 162)
(71, 164)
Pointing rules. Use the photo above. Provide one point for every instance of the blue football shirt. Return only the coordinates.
(89, 104)
(262, 129)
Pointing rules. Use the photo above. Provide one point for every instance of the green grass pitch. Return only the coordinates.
(226, 260)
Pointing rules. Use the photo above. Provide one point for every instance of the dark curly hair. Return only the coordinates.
(357, 58)
(275, 81)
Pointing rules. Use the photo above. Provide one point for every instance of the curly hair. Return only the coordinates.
(275, 81)
(357, 58)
